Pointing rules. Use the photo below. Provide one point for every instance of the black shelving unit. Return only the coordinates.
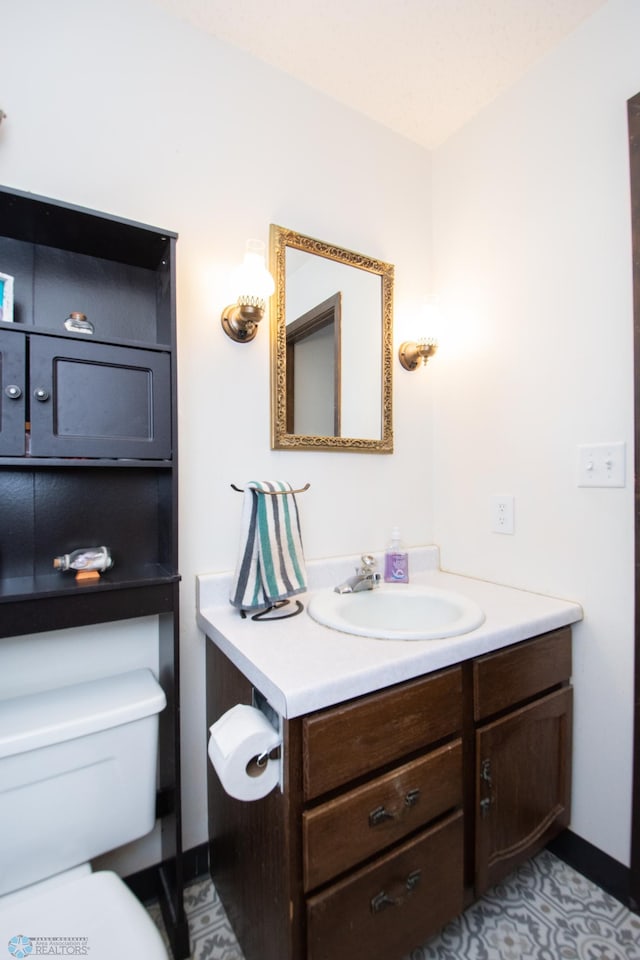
(88, 449)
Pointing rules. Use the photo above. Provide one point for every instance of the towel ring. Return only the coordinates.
(272, 493)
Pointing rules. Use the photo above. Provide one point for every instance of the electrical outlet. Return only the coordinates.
(502, 514)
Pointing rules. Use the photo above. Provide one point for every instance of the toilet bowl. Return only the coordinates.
(77, 779)
(93, 915)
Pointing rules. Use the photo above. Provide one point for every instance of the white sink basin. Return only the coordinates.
(397, 612)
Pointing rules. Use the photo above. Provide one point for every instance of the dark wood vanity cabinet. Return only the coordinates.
(363, 852)
(88, 448)
(399, 808)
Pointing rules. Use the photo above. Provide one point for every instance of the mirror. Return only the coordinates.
(331, 347)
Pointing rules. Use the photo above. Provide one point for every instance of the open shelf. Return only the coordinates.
(18, 327)
(82, 607)
(84, 462)
(66, 585)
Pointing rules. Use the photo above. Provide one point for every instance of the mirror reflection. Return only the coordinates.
(331, 323)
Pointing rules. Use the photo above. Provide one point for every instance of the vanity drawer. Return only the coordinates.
(348, 829)
(510, 676)
(393, 904)
(343, 743)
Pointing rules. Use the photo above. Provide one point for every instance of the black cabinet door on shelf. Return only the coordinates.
(12, 394)
(86, 400)
(99, 400)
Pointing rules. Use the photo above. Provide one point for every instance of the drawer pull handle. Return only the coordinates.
(383, 900)
(13, 391)
(379, 815)
(41, 394)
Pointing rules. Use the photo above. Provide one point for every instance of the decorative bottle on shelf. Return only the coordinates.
(78, 323)
(85, 559)
(396, 560)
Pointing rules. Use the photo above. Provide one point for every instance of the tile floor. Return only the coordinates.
(543, 911)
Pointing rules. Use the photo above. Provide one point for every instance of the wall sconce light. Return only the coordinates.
(412, 353)
(253, 285)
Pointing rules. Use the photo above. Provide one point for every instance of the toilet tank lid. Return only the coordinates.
(52, 716)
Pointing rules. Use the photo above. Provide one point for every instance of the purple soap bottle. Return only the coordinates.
(396, 561)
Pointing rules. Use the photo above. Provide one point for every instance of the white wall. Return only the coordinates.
(533, 263)
(120, 107)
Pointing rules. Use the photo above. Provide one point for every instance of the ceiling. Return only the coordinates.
(422, 68)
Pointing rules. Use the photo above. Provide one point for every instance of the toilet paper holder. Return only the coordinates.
(260, 702)
(246, 747)
(263, 758)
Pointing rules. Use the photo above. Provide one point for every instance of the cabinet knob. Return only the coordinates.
(13, 391)
(41, 394)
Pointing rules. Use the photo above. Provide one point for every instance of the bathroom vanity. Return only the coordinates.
(414, 775)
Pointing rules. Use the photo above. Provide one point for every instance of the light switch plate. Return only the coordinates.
(602, 464)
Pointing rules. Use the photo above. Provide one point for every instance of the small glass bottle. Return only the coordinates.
(85, 559)
(396, 560)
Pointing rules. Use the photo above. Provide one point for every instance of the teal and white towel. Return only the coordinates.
(271, 562)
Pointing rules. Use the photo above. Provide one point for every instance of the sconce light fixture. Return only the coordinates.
(416, 353)
(253, 285)
(412, 353)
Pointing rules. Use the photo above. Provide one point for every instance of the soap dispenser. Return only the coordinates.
(396, 560)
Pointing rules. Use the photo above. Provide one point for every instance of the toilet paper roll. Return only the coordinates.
(241, 736)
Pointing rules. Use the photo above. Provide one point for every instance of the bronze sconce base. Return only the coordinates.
(412, 354)
(241, 322)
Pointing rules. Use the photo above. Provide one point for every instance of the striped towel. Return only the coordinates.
(271, 562)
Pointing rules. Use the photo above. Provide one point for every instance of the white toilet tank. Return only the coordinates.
(77, 773)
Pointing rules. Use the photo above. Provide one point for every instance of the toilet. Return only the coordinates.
(77, 779)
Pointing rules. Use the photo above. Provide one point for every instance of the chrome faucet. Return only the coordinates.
(366, 577)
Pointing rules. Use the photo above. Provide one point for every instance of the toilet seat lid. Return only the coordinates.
(97, 912)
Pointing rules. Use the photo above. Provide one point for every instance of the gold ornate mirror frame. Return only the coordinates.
(280, 239)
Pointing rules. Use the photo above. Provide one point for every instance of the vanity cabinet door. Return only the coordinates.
(523, 713)
(347, 829)
(346, 742)
(393, 904)
(523, 769)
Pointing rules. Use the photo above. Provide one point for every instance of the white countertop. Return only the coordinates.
(301, 666)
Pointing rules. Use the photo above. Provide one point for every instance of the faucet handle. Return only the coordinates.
(368, 564)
